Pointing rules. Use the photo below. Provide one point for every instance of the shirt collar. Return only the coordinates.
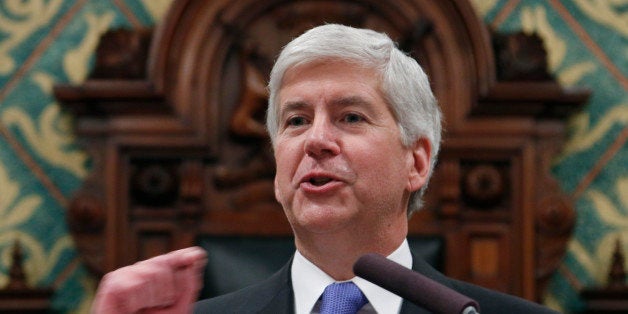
(309, 282)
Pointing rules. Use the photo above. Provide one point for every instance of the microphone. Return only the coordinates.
(413, 286)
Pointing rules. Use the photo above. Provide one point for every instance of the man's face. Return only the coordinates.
(340, 160)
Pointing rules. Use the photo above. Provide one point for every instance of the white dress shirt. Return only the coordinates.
(309, 282)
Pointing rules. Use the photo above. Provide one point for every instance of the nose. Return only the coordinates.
(322, 139)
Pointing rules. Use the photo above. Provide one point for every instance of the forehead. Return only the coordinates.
(342, 82)
(329, 64)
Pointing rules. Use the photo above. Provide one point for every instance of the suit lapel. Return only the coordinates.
(283, 301)
(425, 269)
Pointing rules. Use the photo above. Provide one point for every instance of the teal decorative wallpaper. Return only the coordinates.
(587, 45)
(44, 42)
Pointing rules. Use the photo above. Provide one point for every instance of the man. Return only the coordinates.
(355, 130)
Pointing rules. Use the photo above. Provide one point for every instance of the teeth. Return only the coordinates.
(319, 181)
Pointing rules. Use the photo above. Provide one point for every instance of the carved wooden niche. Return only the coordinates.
(179, 150)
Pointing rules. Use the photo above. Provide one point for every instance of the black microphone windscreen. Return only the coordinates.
(411, 285)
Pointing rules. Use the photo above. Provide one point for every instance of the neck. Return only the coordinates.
(336, 253)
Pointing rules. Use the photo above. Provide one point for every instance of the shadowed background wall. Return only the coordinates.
(44, 42)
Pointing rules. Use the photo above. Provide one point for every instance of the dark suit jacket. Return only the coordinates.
(275, 296)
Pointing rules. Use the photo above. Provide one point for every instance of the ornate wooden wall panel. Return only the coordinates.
(180, 149)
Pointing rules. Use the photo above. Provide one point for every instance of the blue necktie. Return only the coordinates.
(342, 298)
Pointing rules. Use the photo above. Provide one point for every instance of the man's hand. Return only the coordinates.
(164, 284)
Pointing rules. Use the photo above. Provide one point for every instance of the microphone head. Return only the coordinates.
(411, 285)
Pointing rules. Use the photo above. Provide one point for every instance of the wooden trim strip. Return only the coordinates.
(21, 152)
(128, 13)
(35, 168)
(40, 49)
(65, 273)
(586, 181)
(571, 278)
(503, 14)
(590, 43)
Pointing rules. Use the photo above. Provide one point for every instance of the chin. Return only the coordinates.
(322, 219)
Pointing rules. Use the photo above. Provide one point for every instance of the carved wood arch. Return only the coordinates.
(178, 151)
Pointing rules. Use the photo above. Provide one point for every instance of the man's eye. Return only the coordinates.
(296, 121)
(352, 118)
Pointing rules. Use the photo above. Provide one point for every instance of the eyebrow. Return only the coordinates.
(352, 100)
(339, 102)
(291, 106)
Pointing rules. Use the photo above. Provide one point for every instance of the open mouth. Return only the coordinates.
(319, 181)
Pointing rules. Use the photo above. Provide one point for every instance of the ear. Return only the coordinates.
(420, 172)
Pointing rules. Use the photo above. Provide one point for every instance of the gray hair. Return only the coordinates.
(404, 84)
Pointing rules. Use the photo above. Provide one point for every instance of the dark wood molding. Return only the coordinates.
(18, 296)
(613, 297)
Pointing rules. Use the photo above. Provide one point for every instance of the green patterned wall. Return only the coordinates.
(587, 45)
(43, 42)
